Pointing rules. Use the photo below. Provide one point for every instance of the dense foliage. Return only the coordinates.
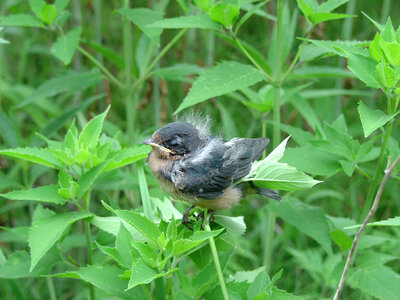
(83, 82)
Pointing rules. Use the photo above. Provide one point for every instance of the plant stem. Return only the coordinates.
(130, 109)
(86, 207)
(144, 192)
(276, 132)
(101, 67)
(50, 287)
(169, 288)
(374, 207)
(216, 262)
(379, 165)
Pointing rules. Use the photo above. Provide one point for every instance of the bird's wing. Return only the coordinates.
(217, 166)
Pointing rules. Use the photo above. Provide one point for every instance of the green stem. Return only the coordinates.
(86, 207)
(101, 67)
(157, 58)
(169, 288)
(217, 263)
(276, 131)
(50, 287)
(130, 109)
(144, 191)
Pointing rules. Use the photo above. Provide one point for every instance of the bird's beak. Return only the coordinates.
(150, 142)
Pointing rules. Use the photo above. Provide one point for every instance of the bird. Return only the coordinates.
(192, 165)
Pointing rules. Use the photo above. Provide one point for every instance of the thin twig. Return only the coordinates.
(374, 207)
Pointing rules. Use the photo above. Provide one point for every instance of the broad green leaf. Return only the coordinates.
(36, 6)
(20, 20)
(127, 156)
(364, 68)
(224, 12)
(89, 135)
(47, 193)
(107, 224)
(385, 76)
(330, 5)
(278, 294)
(108, 279)
(378, 281)
(319, 17)
(142, 17)
(143, 274)
(69, 82)
(305, 8)
(312, 160)
(61, 4)
(183, 245)
(123, 246)
(235, 226)
(247, 276)
(53, 228)
(341, 239)
(65, 46)
(392, 52)
(389, 222)
(308, 219)
(48, 13)
(388, 33)
(200, 21)
(258, 286)
(271, 174)
(35, 155)
(341, 48)
(375, 49)
(221, 79)
(372, 119)
(87, 180)
(348, 166)
(148, 229)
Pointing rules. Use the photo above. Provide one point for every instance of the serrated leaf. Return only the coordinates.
(385, 76)
(20, 20)
(69, 82)
(308, 219)
(319, 17)
(127, 156)
(224, 78)
(54, 227)
(87, 180)
(372, 119)
(200, 21)
(65, 46)
(48, 13)
(392, 52)
(364, 68)
(89, 135)
(108, 279)
(142, 17)
(35, 155)
(378, 281)
(148, 229)
(143, 274)
(224, 13)
(47, 194)
(389, 222)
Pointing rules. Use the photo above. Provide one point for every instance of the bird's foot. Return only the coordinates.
(185, 217)
(210, 212)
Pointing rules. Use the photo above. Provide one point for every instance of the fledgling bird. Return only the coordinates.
(194, 166)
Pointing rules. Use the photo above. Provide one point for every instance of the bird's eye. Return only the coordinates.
(175, 141)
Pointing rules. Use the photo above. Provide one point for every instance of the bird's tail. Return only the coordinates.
(267, 193)
(249, 188)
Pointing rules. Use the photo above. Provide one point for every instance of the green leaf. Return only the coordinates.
(330, 5)
(258, 285)
(341, 239)
(35, 155)
(224, 13)
(389, 222)
(224, 78)
(142, 17)
(53, 228)
(178, 72)
(8, 130)
(61, 4)
(308, 219)
(47, 193)
(127, 156)
(271, 174)
(108, 279)
(89, 136)
(385, 76)
(319, 17)
(36, 6)
(71, 81)
(392, 52)
(87, 180)
(364, 68)
(278, 294)
(200, 21)
(48, 13)
(375, 49)
(372, 119)
(235, 226)
(378, 281)
(20, 20)
(148, 229)
(123, 246)
(65, 46)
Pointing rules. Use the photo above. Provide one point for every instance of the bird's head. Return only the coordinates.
(175, 140)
